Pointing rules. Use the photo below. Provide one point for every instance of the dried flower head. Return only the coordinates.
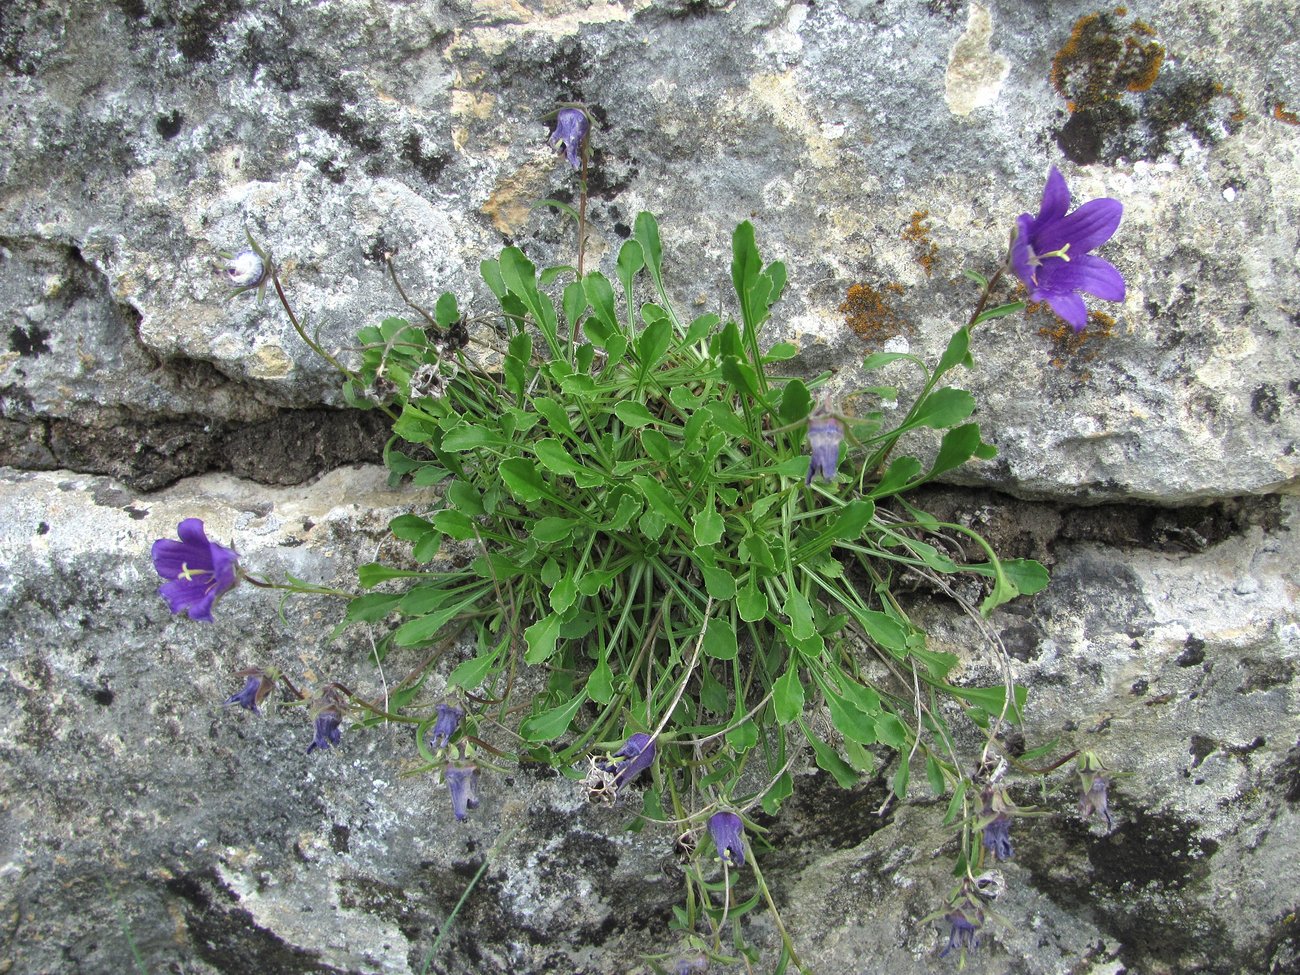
(258, 684)
(1094, 784)
(605, 777)
(197, 571)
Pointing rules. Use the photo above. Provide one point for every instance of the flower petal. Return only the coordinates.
(1021, 250)
(1070, 307)
(1090, 274)
(1085, 229)
(1056, 197)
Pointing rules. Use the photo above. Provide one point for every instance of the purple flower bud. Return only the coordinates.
(445, 726)
(636, 755)
(1049, 253)
(257, 686)
(462, 780)
(197, 571)
(824, 435)
(245, 270)
(329, 715)
(728, 834)
(571, 128)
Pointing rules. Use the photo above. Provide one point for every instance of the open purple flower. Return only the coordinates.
(571, 128)
(445, 726)
(257, 685)
(1049, 253)
(728, 834)
(824, 436)
(636, 755)
(462, 780)
(197, 571)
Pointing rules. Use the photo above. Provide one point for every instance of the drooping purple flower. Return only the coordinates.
(571, 128)
(1049, 253)
(728, 834)
(329, 715)
(197, 571)
(445, 726)
(257, 685)
(462, 780)
(997, 823)
(965, 920)
(636, 755)
(692, 964)
(824, 435)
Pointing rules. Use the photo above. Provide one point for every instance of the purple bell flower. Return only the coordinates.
(965, 920)
(571, 128)
(997, 823)
(445, 726)
(462, 780)
(1049, 253)
(329, 715)
(636, 755)
(197, 571)
(824, 436)
(728, 834)
(257, 685)
(693, 964)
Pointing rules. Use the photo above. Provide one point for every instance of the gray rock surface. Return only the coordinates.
(888, 144)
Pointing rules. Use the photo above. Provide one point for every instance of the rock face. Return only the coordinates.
(881, 146)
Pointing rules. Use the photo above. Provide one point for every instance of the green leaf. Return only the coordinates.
(630, 261)
(956, 354)
(646, 233)
(787, 695)
(541, 637)
(373, 573)
(657, 446)
(743, 737)
(741, 375)
(878, 360)
(445, 312)
(522, 480)
(944, 408)
(796, 402)
(661, 500)
(652, 343)
(709, 526)
(798, 609)
(601, 295)
(781, 352)
(828, 760)
(551, 724)
(751, 602)
(409, 528)
(782, 789)
(958, 446)
(471, 673)
(892, 731)
(1001, 311)
(468, 436)
(848, 720)
(934, 775)
(600, 685)
(632, 413)
(901, 778)
(372, 607)
(563, 594)
(712, 694)
(424, 628)
(553, 529)
(555, 457)
(466, 497)
(900, 473)
(718, 583)
(850, 521)
(719, 639)
(701, 328)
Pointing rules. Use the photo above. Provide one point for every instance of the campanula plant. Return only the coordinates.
(675, 561)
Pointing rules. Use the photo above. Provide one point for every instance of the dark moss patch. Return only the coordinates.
(428, 164)
(30, 341)
(200, 27)
(336, 118)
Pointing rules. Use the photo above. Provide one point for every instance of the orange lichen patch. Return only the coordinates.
(870, 313)
(917, 233)
(1282, 115)
(1121, 11)
(1071, 345)
(1103, 59)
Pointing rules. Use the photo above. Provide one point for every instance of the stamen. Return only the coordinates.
(189, 575)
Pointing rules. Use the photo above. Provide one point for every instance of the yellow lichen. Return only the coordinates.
(870, 314)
